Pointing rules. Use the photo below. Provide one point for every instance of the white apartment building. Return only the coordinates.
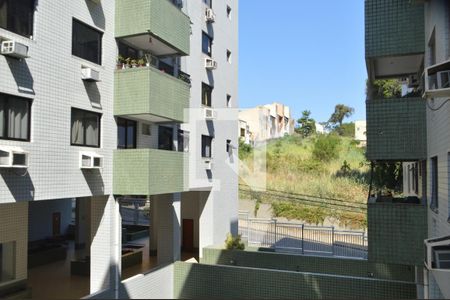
(105, 103)
(269, 121)
(361, 132)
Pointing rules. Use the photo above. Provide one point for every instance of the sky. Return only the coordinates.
(308, 55)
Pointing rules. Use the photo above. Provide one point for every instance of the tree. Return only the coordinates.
(307, 125)
(341, 112)
(385, 89)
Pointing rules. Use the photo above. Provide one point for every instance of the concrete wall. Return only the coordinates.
(40, 223)
(51, 78)
(206, 281)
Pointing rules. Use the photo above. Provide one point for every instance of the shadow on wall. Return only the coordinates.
(95, 182)
(22, 75)
(93, 94)
(19, 184)
(97, 14)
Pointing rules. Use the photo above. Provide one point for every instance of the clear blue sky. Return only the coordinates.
(306, 54)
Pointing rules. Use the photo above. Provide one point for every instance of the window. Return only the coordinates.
(207, 146)
(229, 101)
(15, 118)
(86, 42)
(228, 149)
(126, 131)
(127, 51)
(434, 184)
(228, 12)
(146, 129)
(207, 44)
(7, 262)
(206, 95)
(208, 3)
(165, 138)
(432, 48)
(229, 56)
(85, 128)
(17, 16)
(183, 141)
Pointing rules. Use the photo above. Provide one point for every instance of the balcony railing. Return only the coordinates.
(150, 94)
(142, 172)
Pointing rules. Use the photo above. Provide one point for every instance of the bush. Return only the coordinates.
(244, 150)
(234, 243)
(326, 148)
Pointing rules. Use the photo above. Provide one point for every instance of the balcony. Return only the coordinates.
(395, 37)
(143, 172)
(396, 231)
(149, 94)
(155, 26)
(396, 129)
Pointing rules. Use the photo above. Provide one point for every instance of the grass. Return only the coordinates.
(292, 168)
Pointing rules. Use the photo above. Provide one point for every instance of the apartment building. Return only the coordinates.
(361, 132)
(409, 41)
(269, 121)
(106, 103)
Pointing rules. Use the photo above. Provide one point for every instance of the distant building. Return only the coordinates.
(244, 132)
(360, 132)
(268, 121)
(320, 128)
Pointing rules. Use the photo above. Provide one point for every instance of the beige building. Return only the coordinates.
(270, 121)
(361, 132)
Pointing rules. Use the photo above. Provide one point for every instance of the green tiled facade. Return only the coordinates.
(307, 264)
(149, 91)
(161, 18)
(396, 233)
(149, 172)
(396, 129)
(394, 28)
(194, 281)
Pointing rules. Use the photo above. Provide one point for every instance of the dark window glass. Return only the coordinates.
(206, 95)
(434, 184)
(126, 130)
(166, 68)
(127, 52)
(165, 138)
(86, 42)
(15, 117)
(207, 146)
(208, 2)
(17, 16)
(206, 44)
(229, 146)
(85, 128)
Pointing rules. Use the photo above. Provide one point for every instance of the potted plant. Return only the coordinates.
(134, 63)
(120, 61)
(127, 63)
(141, 62)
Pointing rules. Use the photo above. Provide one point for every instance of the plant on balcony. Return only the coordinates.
(141, 62)
(120, 62)
(234, 242)
(127, 63)
(134, 63)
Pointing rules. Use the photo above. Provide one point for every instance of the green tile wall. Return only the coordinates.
(396, 129)
(312, 264)
(150, 91)
(394, 28)
(396, 233)
(206, 281)
(159, 17)
(149, 172)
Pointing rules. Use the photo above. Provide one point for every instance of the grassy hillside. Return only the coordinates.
(306, 171)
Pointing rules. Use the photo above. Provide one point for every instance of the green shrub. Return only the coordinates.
(234, 242)
(326, 148)
(244, 150)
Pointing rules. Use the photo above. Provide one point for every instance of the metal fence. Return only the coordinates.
(301, 238)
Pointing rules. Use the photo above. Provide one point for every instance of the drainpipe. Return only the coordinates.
(117, 245)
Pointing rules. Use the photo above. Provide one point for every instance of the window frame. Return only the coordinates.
(211, 138)
(229, 103)
(100, 50)
(99, 115)
(229, 56)
(33, 9)
(6, 126)
(210, 44)
(209, 100)
(127, 122)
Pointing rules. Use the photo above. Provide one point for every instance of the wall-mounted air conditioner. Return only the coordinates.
(210, 64)
(90, 161)
(14, 49)
(437, 253)
(208, 164)
(13, 157)
(210, 114)
(89, 74)
(210, 16)
(443, 79)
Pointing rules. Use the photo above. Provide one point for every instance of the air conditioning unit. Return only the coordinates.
(413, 81)
(90, 161)
(210, 16)
(13, 157)
(210, 64)
(443, 79)
(89, 74)
(14, 49)
(208, 164)
(210, 114)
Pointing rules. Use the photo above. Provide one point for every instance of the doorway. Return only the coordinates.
(188, 235)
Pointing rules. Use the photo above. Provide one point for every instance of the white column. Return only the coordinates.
(168, 208)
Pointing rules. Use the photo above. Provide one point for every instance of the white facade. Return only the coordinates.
(360, 131)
